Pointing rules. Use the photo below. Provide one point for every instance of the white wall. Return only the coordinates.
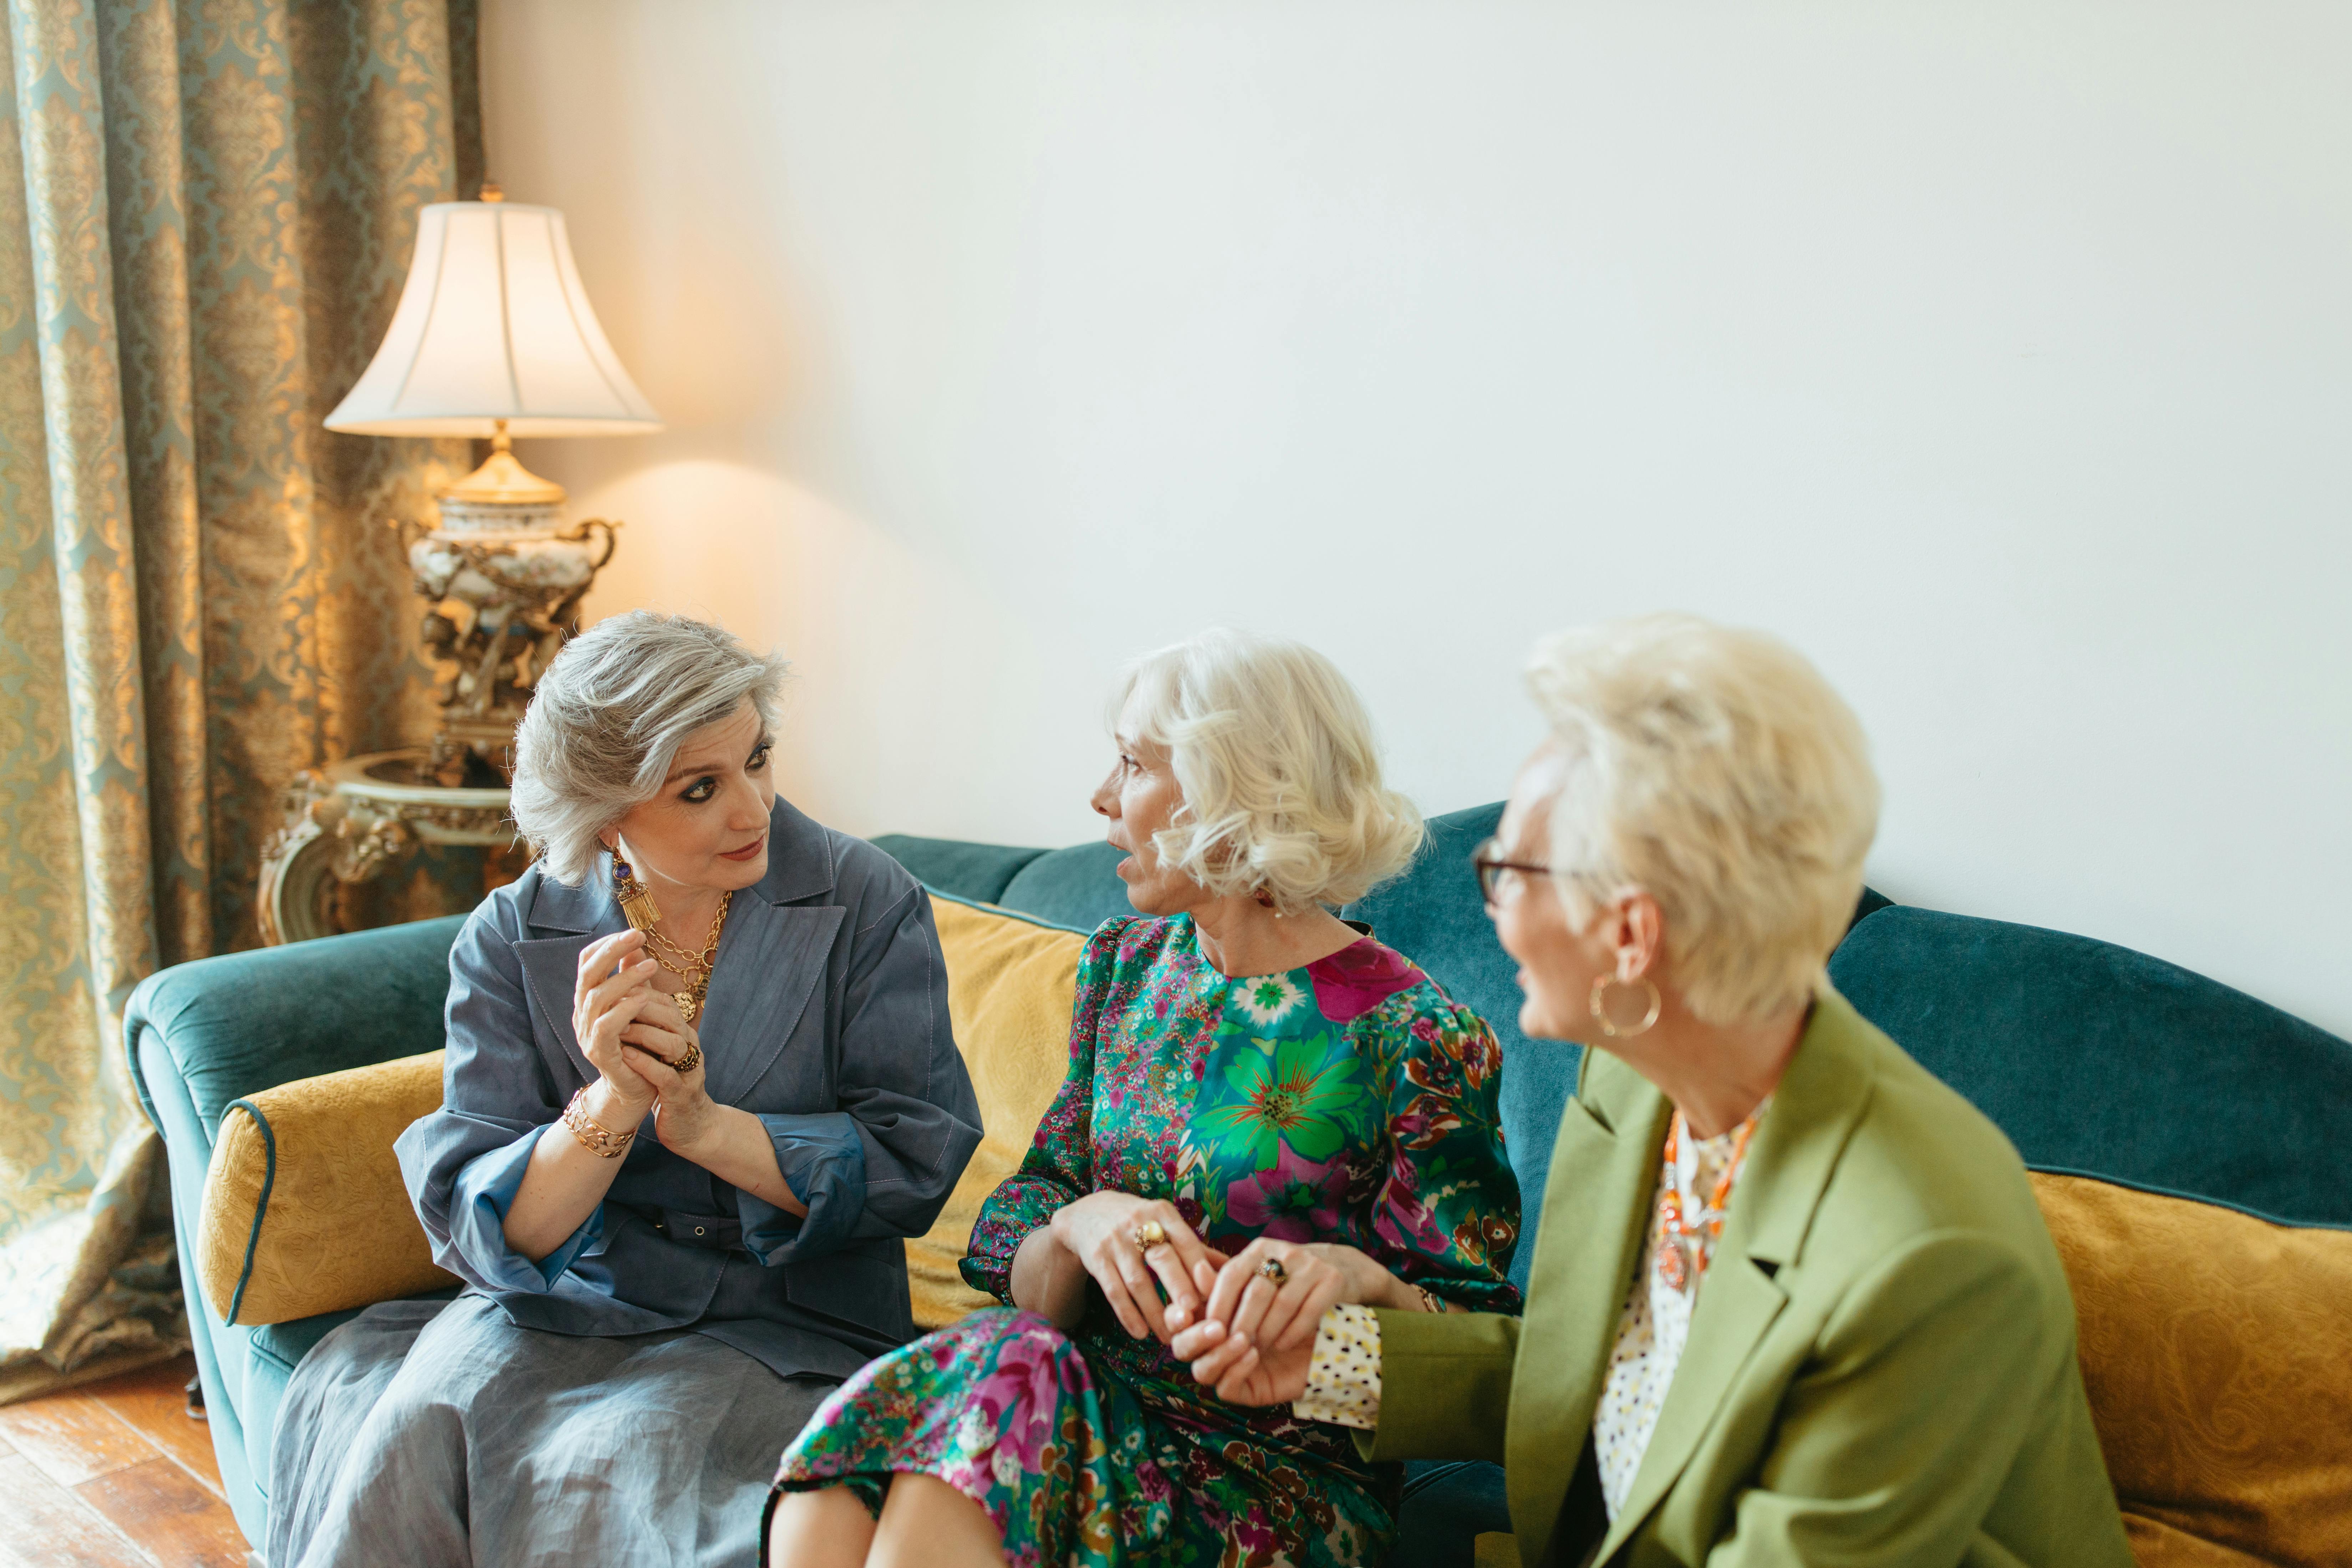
(1996, 354)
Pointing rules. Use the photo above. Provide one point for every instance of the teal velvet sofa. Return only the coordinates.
(2095, 1060)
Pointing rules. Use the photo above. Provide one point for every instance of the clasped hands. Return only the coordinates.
(1245, 1333)
(631, 1031)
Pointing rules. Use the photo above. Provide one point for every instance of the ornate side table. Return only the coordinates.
(353, 821)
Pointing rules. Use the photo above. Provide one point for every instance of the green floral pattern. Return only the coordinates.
(1347, 1101)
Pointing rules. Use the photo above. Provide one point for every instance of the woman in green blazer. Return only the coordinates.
(1792, 1299)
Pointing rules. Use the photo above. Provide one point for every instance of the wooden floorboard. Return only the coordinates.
(153, 1402)
(178, 1522)
(50, 1527)
(114, 1474)
(71, 1437)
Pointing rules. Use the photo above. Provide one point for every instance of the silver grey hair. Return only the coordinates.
(606, 720)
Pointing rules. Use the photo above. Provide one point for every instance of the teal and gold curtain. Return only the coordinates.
(206, 209)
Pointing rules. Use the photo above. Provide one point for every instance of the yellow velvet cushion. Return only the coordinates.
(304, 1209)
(1012, 984)
(2216, 1349)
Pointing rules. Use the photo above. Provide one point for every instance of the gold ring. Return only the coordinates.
(689, 1061)
(1272, 1269)
(1149, 1235)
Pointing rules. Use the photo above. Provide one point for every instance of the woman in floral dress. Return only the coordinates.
(1254, 1087)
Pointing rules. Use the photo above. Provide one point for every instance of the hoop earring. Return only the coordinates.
(1601, 986)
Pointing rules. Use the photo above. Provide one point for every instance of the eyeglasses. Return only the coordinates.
(1488, 862)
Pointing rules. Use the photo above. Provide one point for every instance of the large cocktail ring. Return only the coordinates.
(689, 1061)
(1149, 1235)
(1272, 1269)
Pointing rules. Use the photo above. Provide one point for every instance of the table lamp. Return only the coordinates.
(494, 337)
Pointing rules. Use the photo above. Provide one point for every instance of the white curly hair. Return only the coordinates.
(1279, 769)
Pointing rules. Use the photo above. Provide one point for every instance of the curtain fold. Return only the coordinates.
(206, 209)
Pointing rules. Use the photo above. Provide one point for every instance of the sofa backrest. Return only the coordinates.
(2094, 1060)
(2100, 1061)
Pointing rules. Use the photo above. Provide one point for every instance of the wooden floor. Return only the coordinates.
(113, 1474)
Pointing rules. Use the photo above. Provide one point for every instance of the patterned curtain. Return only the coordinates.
(207, 210)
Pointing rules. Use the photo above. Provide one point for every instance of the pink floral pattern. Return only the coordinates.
(1294, 1200)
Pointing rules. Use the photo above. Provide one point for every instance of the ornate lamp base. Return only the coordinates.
(505, 586)
(351, 823)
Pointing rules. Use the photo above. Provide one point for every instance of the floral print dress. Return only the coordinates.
(1347, 1101)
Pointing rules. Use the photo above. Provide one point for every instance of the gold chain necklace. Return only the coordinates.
(693, 968)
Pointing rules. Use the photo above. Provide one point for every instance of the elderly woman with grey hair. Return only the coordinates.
(700, 1082)
(1262, 1100)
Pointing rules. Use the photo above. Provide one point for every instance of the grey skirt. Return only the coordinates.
(430, 1432)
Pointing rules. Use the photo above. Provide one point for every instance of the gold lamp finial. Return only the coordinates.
(491, 192)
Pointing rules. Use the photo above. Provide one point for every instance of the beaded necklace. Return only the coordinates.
(1686, 1247)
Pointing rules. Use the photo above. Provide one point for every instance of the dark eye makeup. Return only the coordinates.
(703, 788)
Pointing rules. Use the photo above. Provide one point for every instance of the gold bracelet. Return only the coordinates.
(594, 1136)
(1429, 1302)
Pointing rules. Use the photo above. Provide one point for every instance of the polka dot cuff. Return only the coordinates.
(1343, 1376)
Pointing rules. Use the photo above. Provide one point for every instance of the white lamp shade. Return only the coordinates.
(493, 324)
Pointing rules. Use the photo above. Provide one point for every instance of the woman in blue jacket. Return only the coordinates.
(700, 1083)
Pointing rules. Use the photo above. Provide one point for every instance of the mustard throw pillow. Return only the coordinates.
(304, 1210)
(2214, 1349)
(1012, 984)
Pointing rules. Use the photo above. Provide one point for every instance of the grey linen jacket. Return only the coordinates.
(827, 1017)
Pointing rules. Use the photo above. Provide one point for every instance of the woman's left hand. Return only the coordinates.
(683, 1112)
(1248, 1308)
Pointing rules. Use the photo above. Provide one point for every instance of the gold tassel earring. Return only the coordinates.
(636, 899)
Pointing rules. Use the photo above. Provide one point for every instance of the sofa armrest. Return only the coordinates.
(304, 1209)
(243, 1022)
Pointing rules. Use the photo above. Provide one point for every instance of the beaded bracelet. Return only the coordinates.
(598, 1139)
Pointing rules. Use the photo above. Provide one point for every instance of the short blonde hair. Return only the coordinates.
(1715, 770)
(607, 719)
(1279, 768)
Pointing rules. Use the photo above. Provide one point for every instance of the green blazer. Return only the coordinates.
(1881, 1364)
